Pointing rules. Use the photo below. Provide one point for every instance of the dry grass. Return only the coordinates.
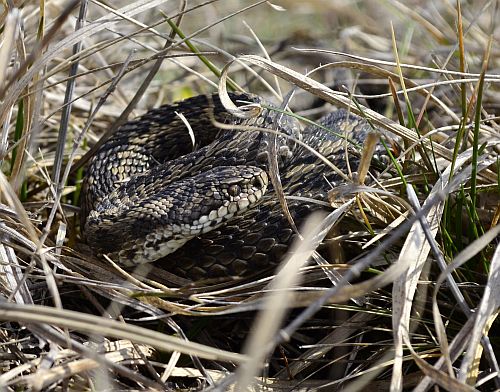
(416, 307)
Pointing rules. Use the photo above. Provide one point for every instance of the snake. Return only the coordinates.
(174, 187)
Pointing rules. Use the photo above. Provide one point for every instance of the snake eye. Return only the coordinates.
(234, 190)
(257, 183)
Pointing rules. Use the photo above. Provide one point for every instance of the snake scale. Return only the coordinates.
(208, 209)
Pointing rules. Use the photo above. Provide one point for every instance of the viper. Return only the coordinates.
(175, 185)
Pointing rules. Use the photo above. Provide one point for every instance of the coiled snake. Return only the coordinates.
(208, 207)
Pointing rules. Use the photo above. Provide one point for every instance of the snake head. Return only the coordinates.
(160, 223)
(198, 205)
(223, 192)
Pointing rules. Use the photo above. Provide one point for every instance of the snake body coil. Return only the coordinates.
(150, 193)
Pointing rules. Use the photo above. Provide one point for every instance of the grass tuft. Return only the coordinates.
(403, 293)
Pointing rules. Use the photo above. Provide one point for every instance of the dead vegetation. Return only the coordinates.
(413, 308)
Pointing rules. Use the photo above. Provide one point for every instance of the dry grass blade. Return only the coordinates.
(331, 96)
(56, 50)
(66, 110)
(274, 306)
(487, 312)
(14, 282)
(38, 48)
(401, 294)
(15, 203)
(459, 343)
(402, 65)
(325, 345)
(33, 314)
(421, 21)
(449, 383)
(416, 249)
(9, 36)
(456, 348)
(122, 351)
(489, 303)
